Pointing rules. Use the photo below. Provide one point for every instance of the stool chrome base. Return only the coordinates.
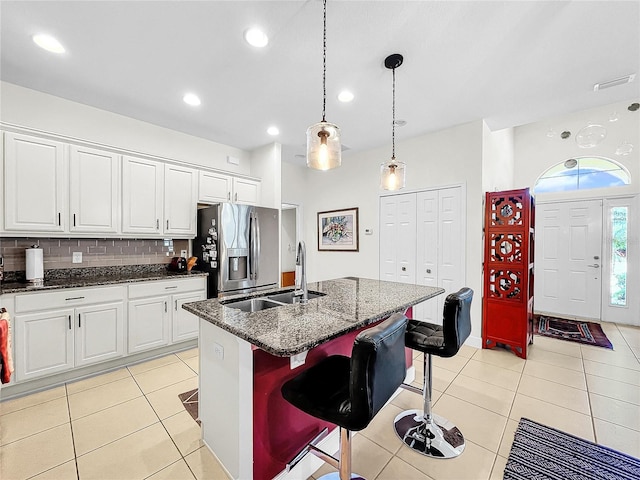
(441, 439)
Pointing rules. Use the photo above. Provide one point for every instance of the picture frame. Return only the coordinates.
(338, 230)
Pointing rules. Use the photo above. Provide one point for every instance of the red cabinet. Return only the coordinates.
(507, 305)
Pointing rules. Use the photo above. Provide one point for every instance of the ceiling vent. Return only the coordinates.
(615, 82)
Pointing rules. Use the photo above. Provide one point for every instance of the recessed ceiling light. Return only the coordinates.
(191, 99)
(273, 131)
(345, 96)
(256, 37)
(49, 43)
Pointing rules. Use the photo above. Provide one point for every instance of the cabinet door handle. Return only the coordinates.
(167, 224)
(69, 322)
(176, 306)
(236, 197)
(59, 219)
(157, 224)
(228, 195)
(165, 307)
(79, 322)
(74, 219)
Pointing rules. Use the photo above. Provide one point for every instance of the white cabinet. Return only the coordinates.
(156, 317)
(180, 200)
(158, 199)
(35, 184)
(142, 182)
(94, 193)
(185, 324)
(63, 329)
(214, 187)
(218, 187)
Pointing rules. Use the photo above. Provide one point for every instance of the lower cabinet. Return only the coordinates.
(156, 316)
(59, 330)
(57, 339)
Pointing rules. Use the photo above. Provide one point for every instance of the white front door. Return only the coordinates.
(568, 259)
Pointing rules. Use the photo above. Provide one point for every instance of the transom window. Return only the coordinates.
(582, 173)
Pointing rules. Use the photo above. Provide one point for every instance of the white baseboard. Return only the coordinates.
(475, 342)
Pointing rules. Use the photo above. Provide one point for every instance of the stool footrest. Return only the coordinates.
(411, 388)
(310, 447)
(438, 439)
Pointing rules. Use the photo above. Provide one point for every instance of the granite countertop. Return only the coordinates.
(91, 277)
(349, 303)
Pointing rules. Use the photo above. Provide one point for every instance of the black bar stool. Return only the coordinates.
(424, 431)
(348, 392)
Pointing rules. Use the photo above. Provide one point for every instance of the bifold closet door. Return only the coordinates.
(437, 246)
(398, 238)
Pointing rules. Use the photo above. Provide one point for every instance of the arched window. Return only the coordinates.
(582, 173)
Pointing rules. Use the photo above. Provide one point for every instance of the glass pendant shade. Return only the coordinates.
(323, 146)
(392, 175)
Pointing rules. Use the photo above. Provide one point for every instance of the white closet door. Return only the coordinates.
(388, 234)
(451, 245)
(427, 253)
(397, 238)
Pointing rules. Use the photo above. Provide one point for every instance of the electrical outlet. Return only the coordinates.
(218, 351)
(183, 253)
(77, 257)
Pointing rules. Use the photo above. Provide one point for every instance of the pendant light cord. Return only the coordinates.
(393, 122)
(324, 61)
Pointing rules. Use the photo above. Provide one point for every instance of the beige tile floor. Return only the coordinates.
(129, 424)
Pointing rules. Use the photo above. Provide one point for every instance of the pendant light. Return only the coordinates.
(392, 173)
(323, 138)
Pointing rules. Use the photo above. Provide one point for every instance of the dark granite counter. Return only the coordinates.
(91, 277)
(349, 303)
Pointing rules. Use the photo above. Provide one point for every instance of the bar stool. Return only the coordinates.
(424, 431)
(349, 392)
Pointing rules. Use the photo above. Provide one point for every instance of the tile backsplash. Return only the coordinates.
(58, 252)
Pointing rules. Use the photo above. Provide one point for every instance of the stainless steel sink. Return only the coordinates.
(268, 301)
(289, 297)
(252, 304)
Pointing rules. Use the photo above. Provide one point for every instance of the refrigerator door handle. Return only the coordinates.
(256, 243)
(252, 242)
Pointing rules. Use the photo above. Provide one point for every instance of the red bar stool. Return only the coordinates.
(349, 392)
(424, 431)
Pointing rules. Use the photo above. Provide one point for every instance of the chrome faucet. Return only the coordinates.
(301, 283)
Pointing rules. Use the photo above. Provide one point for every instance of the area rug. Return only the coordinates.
(190, 403)
(588, 333)
(540, 452)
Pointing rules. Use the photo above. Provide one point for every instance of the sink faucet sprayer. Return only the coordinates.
(301, 283)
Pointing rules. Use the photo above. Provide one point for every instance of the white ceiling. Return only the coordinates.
(509, 62)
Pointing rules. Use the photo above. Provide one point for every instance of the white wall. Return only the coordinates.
(265, 164)
(448, 157)
(288, 240)
(36, 110)
(497, 159)
(535, 152)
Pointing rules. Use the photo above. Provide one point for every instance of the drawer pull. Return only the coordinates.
(169, 288)
(73, 298)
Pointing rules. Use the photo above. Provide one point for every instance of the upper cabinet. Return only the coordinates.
(94, 193)
(35, 184)
(218, 187)
(142, 182)
(158, 198)
(180, 200)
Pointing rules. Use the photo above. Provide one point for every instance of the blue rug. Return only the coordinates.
(540, 452)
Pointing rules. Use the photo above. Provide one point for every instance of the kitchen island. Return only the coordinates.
(245, 357)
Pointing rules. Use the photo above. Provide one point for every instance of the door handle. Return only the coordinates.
(595, 265)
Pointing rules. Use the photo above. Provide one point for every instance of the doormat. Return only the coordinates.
(588, 333)
(190, 403)
(543, 452)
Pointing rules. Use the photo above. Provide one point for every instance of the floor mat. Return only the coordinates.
(588, 333)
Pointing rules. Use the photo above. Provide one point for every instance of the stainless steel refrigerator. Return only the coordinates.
(238, 245)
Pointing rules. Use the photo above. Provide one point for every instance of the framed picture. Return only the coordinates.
(338, 230)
